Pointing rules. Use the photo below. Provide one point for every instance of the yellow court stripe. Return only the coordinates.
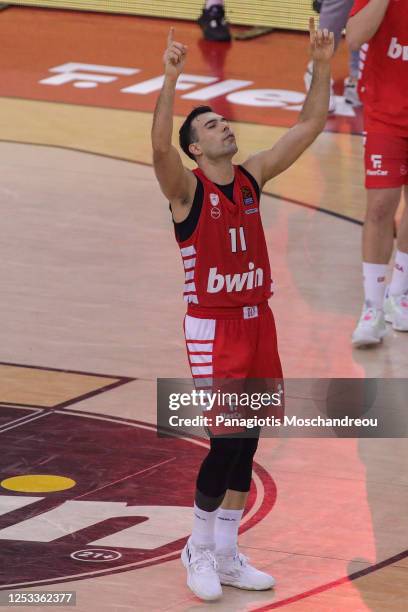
(37, 483)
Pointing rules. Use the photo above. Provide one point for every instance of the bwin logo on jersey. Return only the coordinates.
(234, 282)
(397, 51)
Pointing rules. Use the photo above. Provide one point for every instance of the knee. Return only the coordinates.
(212, 479)
(380, 208)
(241, 474)
(225, 453)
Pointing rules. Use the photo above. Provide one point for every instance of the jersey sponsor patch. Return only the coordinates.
(247, 196)
(234, 282)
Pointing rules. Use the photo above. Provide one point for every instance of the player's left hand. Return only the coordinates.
(321, 43)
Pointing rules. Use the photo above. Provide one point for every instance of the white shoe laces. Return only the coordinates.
(205, 561)
(242, 559)
(238, 557)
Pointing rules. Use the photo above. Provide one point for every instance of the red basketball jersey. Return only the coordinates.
(226, 260)
(383, 82)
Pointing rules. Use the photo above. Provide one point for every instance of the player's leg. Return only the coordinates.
(378, 240)
(378, 230)
(396, 303)
(231, 361)
(198, 554)
(351, 82)
(217, 349)
(232, 508)
(233, 567)
(383, 183)
(333, 17)
(212, 22)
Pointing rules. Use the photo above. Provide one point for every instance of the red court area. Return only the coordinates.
(115, 61)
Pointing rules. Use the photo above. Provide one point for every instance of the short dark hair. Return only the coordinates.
(187, 133)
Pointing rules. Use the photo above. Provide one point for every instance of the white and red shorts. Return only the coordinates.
(238, 343)
(386, 160)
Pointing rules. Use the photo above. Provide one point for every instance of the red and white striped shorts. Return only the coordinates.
(240, 343)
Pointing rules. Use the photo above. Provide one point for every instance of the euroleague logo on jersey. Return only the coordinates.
(247, 195)
(128, 505)
(215, 211)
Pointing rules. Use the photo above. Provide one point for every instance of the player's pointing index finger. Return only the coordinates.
(311, 24)
(312, 29)
(170, 37)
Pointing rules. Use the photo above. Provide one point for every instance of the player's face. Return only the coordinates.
(215, 139)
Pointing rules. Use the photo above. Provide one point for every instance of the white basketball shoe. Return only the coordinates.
(351, 92)
(396, 311)
(370, 329)
(201, 566)
(234, 570)
(307, 77)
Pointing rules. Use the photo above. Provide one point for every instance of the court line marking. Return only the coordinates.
(48, 411)
(156, 465)
(61, 370)
(85, 396)
(22, 406)
(334, 583)
(120, 380)
(166, 557)
(29, 419)
(311, 592)
(326, 211)
(327, 130)
(23, 418)
(19, 406)
(306, 594)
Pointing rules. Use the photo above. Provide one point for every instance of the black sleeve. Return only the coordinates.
(253, 181)
(185, 228)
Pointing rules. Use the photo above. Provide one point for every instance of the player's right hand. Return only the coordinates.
(174, 57)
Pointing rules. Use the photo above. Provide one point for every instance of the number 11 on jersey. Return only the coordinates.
(233, 236)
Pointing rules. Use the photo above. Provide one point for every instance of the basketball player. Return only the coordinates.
(333, 17)
(229, 327)
(382, 27)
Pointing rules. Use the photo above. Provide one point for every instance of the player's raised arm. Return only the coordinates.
(267, 164)
(176, 182)
(362, 26)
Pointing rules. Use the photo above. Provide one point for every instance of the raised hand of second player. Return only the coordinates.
(174, 57)
(321, 43)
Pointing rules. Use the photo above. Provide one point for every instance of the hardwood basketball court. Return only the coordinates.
(92, 314)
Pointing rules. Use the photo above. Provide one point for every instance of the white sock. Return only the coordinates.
(226, 529)
(399, 281)
(210, 3)
(374, 283)
(203, 527)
